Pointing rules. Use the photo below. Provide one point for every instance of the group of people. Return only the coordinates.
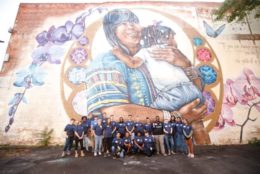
(129, 137)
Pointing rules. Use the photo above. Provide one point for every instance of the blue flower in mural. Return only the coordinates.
(32, 76)
(208, 74)
(49, 53)
(197, 41)
(77, 75)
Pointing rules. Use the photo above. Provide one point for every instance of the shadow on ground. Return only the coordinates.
(244, 159)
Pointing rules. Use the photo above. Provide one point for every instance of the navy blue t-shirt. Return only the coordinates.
(187, 131)
(121, 127)
(69, 129)
(98, 130)
(104, 122)
(139, 127)
(173, 124)
(127, 140)
(86, 125)
(108, 131)
(79, 129)
(139, 140)
(179, 128)
(129, 125)
(117, 142)
(167, 127)
(148, 141)
(148, 127)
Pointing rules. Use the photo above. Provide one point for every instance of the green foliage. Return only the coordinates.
(254, 141)
(45, 137)
(237, 9)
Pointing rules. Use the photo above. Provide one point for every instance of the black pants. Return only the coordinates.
(77, 142)
(107, 144)
(68, 143)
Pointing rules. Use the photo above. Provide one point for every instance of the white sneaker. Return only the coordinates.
(192, 155)
(173, 152)
(99, 153)
(95, 154)
(169, 153)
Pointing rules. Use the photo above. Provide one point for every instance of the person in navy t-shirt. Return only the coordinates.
(149, 147)
(86, 124)
(173, 124)
(148, 126)
(69, 129)
(117, 146)
(139, 126)
(98, 133)
(138, 143)
(127, 143)
(187, 132)
(180, 144)
(167, 129)
(108, 137)
(130, 126)
(79, 134)
(121, 127)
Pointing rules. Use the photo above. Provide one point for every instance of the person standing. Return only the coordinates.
(180, 142)
(98, 134)
(86, 126)
(69, 129)
(121, 127)
(148, 144)
(148, 126)
(108, 137)
(114, 125)
(187, 132)
(173, 125)
(159, 136)
(139, 126)
(130, 126)
(79, 134)
(167, 128)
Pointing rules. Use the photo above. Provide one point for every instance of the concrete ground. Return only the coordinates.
(244, 159)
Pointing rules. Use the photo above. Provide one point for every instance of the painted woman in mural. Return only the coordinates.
(117, 89)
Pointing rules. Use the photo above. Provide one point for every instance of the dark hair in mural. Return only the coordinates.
(156, 35)
(112, 20)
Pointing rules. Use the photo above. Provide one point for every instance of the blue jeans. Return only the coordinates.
(118, 151)
(98, 143)
(169, 142)
(68, 143)
(180, 143)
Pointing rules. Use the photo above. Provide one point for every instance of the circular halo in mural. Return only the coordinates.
(76, 75)
(208, 74)
(203, 54)
(78, 55)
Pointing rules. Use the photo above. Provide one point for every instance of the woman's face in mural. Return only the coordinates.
(129, 34)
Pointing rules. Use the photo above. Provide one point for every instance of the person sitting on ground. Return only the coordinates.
(138, 143)
(127, 143)
(117, 147)
(148, 144)
(69, 130)
(187, 132)
(79, 134)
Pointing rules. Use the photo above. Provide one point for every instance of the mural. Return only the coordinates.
(140, 61)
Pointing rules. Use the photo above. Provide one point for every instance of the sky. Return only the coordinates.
(9, 8)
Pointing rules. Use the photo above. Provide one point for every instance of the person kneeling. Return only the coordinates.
(117, 147)
(138, 143)
(148, 144)
(127, 143)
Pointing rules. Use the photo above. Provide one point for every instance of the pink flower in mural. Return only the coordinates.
(245, 90)
(204, 55)
(248, 87)
(79, 55)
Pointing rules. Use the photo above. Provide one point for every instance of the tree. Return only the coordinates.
(237, 10)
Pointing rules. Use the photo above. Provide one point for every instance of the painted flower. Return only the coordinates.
(230, 93)
(60, 35)
(210, 102)
(77, 75)
(32, 76)
(79, 55)
(226, 116)
(49, 53)
(204, 55)
(83, 40)
(247, 87)
(208, 74)
(197, 41)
